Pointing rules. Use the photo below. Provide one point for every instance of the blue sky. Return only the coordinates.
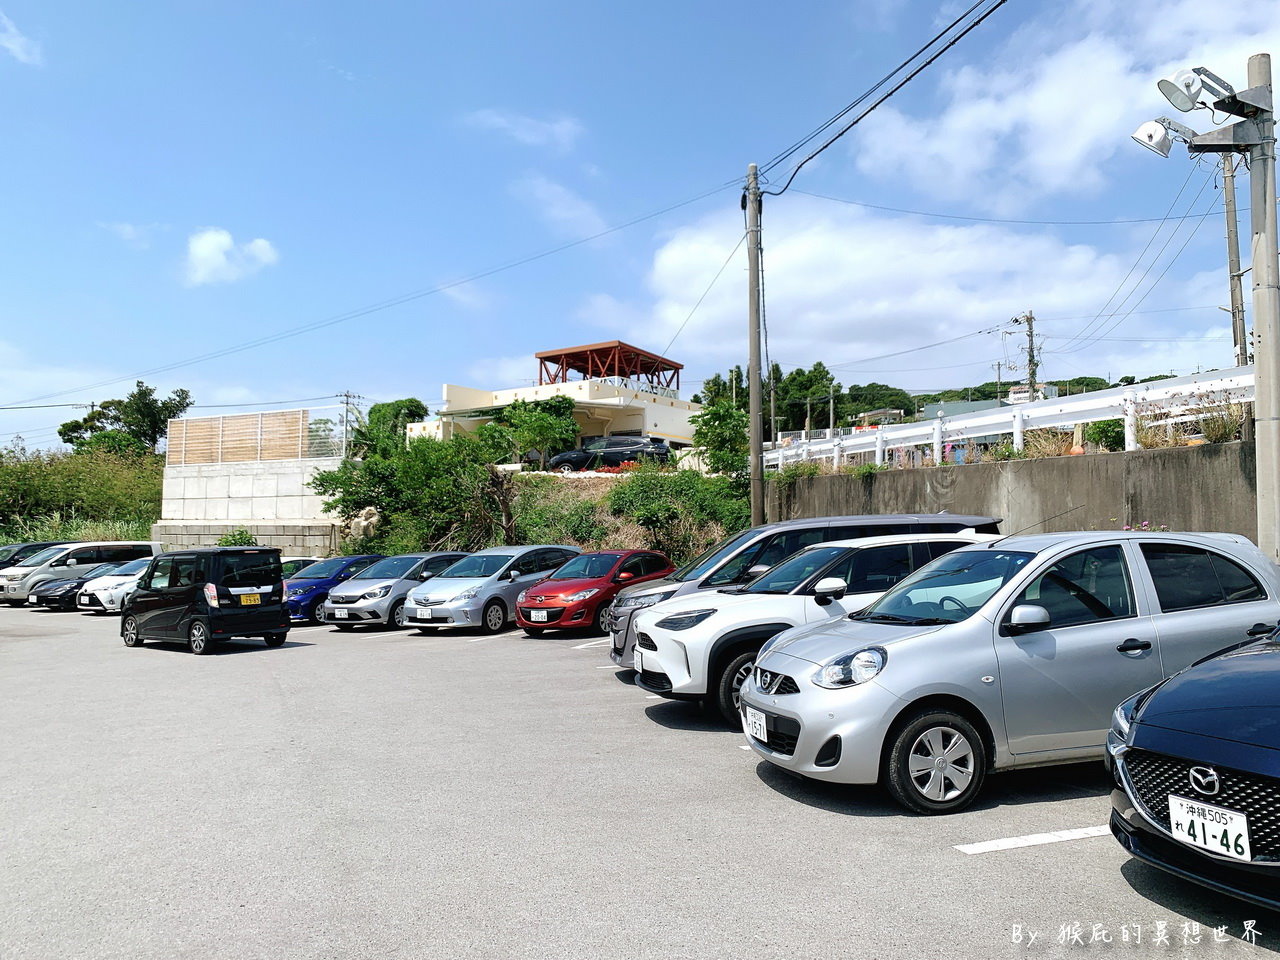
(184, 178)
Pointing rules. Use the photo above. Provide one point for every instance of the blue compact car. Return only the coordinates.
(1196, 762)
(306, 591)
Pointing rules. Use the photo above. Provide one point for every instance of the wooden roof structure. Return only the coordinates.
(610, 359)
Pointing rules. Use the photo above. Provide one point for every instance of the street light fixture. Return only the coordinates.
(1185, 88)
(1159, 135)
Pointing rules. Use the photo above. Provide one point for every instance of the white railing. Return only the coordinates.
(1160, 400)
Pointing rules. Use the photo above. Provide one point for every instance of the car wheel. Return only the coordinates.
(198, 638)
(129, 632)
(597, 622)
(936, 763)
(275, 639)
(317, 613)
(494, 619)
(397, 618)
(726, 695)
(534, 631)
(565, 468)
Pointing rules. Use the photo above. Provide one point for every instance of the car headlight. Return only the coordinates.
(583, 595)
(851, 669)
(1122, 723)
(376, 594)
(684, 620)
(647, 600)
(468, 594)
(521, 595)
(298, 591)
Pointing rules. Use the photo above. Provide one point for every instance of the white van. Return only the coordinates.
(57, 563)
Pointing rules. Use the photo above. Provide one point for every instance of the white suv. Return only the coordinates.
(702, 647)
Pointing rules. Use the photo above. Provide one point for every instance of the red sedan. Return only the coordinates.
(580, 591)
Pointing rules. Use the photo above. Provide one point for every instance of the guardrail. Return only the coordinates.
(1161, 401)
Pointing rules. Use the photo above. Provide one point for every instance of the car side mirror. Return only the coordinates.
(513, 574)
(829, 589)
(758, 569)
(624, 576)
(1028, 618)
(425, 574)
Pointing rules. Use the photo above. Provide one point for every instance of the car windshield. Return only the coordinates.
(587, 566)
(322, 569)
(789, 574)
(392, 568)
(98, 570)
(9, 552)
(949, 590)
(41, 558)
(480, 565)
(131, 568)
(250, 569)
(697, 569)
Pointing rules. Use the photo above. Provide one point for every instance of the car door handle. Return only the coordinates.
(1259, 629)
(1133, 644)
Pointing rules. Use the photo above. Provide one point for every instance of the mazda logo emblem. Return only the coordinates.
(1205, 780)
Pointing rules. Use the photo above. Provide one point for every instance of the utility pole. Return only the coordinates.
(751, 198)
(999, 365)
(773, 409)
(808, 416)
(831, 407)
(1033, 362)
(1238, 335)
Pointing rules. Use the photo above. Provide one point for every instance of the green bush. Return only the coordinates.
(1108, 434)
(240, 537)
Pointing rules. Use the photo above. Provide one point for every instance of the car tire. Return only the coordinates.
(316, 615)
(129, 632)
(198, 639)
(534, 631)
(725, 692)
(275, 639)
(396, 619)
(915, 778)
(494, 618)
(597, 622)
(566, 468)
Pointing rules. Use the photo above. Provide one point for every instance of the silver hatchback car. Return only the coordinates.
(481, 590)
(376, 595)
(1008, 654)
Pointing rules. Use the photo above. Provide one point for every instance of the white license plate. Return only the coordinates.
(755, 724)
(340, 614)
(424, 615)
(538, 616)
(31, 598)
(635, 662)
(1215, 829)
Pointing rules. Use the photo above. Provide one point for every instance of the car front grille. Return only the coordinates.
(652, 680)
(427, 603)
(341, 600)
(1154, 776)
(553, 614)
(775, 683)
(645, 642)
(782, 734)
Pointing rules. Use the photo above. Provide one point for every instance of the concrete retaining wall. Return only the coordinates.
(1206, 488)
(299, 539)
(260, 491)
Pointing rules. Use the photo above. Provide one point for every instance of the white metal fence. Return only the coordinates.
(1160, 401)
(269, 435)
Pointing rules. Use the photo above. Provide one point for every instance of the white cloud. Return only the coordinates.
(20, 47)
(559, 206)
(134, 234)
(471, 296)
(501, 373)
(560, 134)
(1046, 112)
(845, 284)
(214, 257)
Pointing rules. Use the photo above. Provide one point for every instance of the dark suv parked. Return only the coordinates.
(202, 596)
(610, 452)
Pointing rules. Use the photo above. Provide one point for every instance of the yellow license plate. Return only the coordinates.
(250, 600)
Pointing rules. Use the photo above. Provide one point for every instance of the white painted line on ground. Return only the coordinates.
(609, 667)
(478, 639)
(1032, 840)
(593, 643)
(744, 746)
(653, 696)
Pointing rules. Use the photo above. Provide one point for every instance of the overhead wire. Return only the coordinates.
(705, 292)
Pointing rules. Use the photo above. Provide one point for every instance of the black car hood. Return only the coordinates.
(1232, 697)
(50, 586)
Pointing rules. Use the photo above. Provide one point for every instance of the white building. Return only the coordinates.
(1021, 393)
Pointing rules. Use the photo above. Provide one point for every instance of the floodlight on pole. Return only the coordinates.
(1159, 135)
(1186, 88)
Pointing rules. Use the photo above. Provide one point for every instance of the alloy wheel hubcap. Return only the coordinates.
(739, 679)
(495, 619)
(940, 764)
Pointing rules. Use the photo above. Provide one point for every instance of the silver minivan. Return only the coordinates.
(1008, 654)
(481, 590)
(58, 563)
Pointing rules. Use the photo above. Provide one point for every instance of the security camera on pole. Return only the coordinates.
(1253, 135)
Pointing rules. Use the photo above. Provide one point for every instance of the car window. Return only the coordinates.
(874, 569)
(479, 565)
(950, 589)
(1188, 577)
(786, 576)
(84, 555)
(1085, 587)
(633, 565)
(598, 444)
(772, 551)
(184, 572)
(437, 564)
(251, 569)
(132, 567)
(321, 569)
(587, 566)
(652, 563)
(359, 565)
(857, 530)
(289, 567)
(160, 573)
(124, 552)
(535, 561)
(940, 548)
(391, 568)
(708, 559)
(40, 558)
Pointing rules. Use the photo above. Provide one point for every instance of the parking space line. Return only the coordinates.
(744, 746)
(609, 667)
(653, 696)
(1032, 840)
(593, 643)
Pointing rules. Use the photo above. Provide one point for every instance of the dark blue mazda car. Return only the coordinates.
(1196, 762)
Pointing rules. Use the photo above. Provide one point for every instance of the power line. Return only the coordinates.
(893, 90)
(385, 304)
(727, 259)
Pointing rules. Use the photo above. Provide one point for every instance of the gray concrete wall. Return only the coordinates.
(262, 491)
(1206, 488)
(299, 539)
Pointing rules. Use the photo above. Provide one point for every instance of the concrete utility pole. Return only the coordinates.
(773, 409)
(999, 365)
(831, 407)
(1238, 333)
(808, 416)
(1266, 309)
(1033, 364)
(754, 441)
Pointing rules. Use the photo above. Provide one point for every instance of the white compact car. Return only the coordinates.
(108, 594)
(703, 646)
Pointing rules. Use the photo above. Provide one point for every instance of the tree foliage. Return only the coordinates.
(141, 415)
(720, 431)
(545, 426)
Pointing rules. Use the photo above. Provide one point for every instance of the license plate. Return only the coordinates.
(425, 615)
(1215, 829)
(538, 616)
(250, 600)
(636, 662)
(755, 724)
(340, 614)
(31, 598)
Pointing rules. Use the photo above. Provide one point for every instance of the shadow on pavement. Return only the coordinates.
(222, 648)
(677, 715)
(1200, 905)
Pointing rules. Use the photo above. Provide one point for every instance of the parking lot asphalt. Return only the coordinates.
(385, 794)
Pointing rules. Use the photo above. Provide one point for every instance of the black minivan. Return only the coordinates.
(205, 595)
